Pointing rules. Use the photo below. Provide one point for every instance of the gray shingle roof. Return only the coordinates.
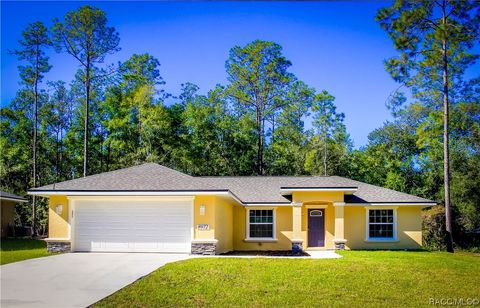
(249, 189)
(368, 193)
(7, 195)
(321, 181)
(145, 177)
(254, 189)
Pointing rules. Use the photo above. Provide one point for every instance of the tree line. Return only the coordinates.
(117, 115)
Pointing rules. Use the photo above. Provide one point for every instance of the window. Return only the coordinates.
(260, 223)
(314, 213)
(381, 224)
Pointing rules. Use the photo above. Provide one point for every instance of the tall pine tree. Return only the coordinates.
(34, 41)
(433, 39)
(84, 34)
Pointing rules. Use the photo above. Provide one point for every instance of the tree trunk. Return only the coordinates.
(259, 143)
(87, 103)
(446, 155)
(262, 145)
(101, 154)
(35, 124)
(107, 159)
(325, 154)
(57, 154)
(273, 128)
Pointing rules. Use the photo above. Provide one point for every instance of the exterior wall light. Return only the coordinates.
(59, 209)
(202, 210)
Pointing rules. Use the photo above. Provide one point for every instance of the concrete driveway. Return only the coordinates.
(75, 279)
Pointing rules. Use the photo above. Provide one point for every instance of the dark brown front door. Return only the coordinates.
(316, 227)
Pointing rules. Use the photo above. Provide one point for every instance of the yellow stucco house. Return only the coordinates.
(151, 208)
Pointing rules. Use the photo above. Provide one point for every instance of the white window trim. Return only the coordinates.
(367, 224)
(260, 239)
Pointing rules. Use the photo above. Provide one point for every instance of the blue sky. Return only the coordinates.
(336, 46)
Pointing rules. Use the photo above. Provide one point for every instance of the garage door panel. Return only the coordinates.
(149, 246)
(94, 245)
(149, 227)
(133, 227)
(116, 245)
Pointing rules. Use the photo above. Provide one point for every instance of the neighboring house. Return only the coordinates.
(153, 208)
(8, 202)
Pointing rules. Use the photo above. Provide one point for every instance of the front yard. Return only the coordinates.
(360, 278)
(13, 250)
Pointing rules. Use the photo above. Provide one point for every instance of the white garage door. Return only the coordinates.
(132, 226)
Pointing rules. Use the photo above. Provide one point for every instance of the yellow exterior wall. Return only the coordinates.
(409, 229)
(7, 217)
(208, 218)
(58, 224)
(224, 225)
(227, 223)
(317, 196)
(329, 225)
(319, 199)
(339, 222)
(283, 230)
(219, 217)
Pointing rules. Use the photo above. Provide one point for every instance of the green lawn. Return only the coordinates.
(13, 250)
(360, 278)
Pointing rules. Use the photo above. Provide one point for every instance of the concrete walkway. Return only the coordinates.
(323, 254)
(75, 279)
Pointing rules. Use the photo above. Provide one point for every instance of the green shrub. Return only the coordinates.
(434, 231)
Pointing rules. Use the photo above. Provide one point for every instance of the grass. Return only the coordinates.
(360, 278)
(14, 250)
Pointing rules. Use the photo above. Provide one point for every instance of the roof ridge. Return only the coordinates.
(304, 180)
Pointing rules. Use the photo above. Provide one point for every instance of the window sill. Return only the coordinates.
(387, 240)
(260, 240)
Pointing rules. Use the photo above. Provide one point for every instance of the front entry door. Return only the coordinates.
(316, 227)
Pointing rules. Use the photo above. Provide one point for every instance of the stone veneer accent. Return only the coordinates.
(297, 246)
(58, 246)
(340, 244)
(204, 248)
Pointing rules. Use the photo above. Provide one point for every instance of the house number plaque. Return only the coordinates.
(203, 227)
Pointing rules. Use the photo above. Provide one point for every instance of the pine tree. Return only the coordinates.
(33, 44)
(84, 34)
(433, 38)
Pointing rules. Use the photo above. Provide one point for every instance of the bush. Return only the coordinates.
(434, 232)
(433, 226)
